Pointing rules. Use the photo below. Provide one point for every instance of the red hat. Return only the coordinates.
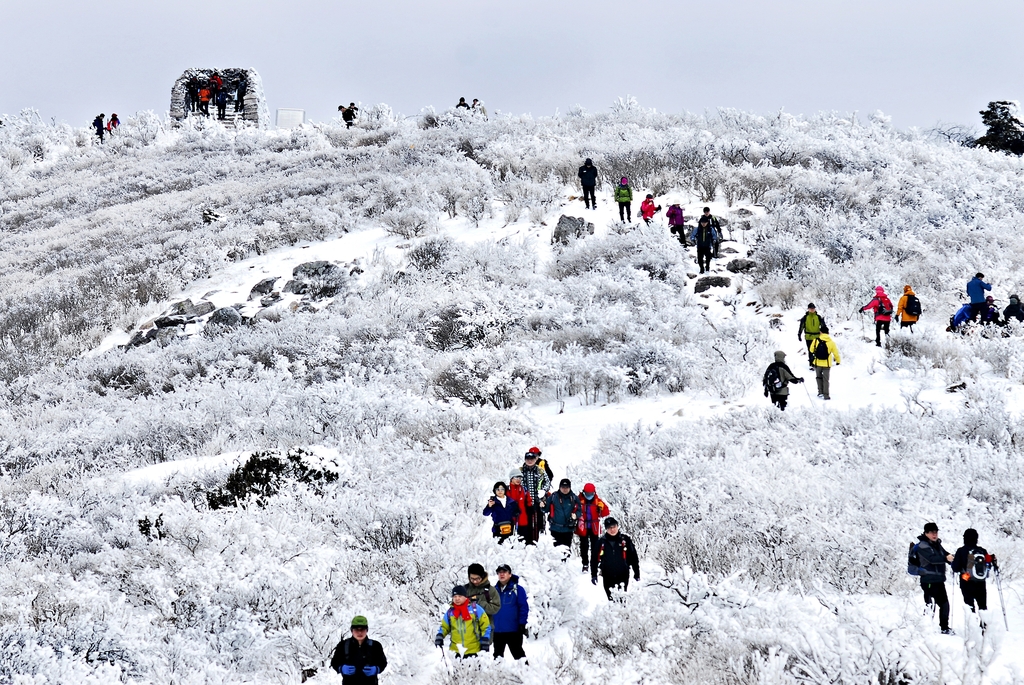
(589, 487)
(533, 450)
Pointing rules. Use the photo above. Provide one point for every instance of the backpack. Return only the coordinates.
(977, 567)
(884, 307)
(772, 381)
(913, 561)
(913, 306)
(821, 350)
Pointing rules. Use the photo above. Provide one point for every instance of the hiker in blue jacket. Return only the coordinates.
(976, 291)
(563, 513)
(504, 512)
(510, 621)
(704, 236)
(931, 558)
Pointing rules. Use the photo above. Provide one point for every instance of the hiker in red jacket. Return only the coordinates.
(882, 306)
(588, 525)
(647, 209)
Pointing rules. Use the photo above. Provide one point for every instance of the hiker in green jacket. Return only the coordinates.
(624, 196)
(810, 329)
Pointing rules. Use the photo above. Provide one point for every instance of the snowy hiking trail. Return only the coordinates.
(569, 431)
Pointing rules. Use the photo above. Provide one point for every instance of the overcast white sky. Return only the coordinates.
(919, 61)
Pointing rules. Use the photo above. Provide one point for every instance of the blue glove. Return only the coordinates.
(593, 581)
(370, 670)
(348, 670)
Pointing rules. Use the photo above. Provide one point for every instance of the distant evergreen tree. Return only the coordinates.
(1005, 129)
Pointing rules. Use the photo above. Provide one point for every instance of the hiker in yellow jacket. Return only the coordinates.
(467, 623)
(823, 351)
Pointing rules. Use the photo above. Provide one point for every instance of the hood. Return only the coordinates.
(879, 290)
(780, 357)
(588, 162)
(907, 290)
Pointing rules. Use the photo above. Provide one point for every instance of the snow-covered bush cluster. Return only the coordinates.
(129, 554)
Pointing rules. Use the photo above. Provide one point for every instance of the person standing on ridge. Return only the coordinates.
(908, 311)
(348, 114)
(588, 179)
(192, 94)
(359, 659)
(204, 100)
(563, 512)
(510, 621)
(973, 563)
(810, 326)
(241, 88)
(677, 223)
(648, 210)
(976, 288)
(221, 98)
(824, 351)
(97, 124)
(882, 306)
(113, 123)
(588, 525)
(615, 556)
(468, 625)
(462, 104)
(777, 378)
(705, 237)
(930, 559)
(624, 196)
(504, 512)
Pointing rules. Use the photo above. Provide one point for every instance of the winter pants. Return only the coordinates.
(628, 209)
(680, 232)
(808, 339)
(204, 107)
(514, 642)
(589, 543)
(976, 309)
(528, 534)
(879, 327)
(501, 538)
(935, 593)
(704, 258)
(620, 582)
(907, 324)
(222, 111)
(821, 374)
(589, 197)
(240, 102)
(563, 539)
(974, 592)
(779, 400)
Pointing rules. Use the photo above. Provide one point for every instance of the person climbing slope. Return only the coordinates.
(504, 512)
(480, 590)
(824, 350)
(908, 311)
(510, 621)
(928, 560)
(677, 223)
(973, 563)
(810, 326)
(777, 378)
(705, 237)
(882, 306)
(648, 210)
(563, 512)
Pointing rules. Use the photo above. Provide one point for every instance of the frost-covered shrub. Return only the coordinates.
(262, 475)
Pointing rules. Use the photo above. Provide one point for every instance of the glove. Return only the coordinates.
(525, 631)
(799, 380)
(348, 669)
(439, 640)
(370, 671)
(485, 644)
(593, 581)
(799, 338)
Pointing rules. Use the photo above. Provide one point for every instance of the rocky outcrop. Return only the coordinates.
(571, 228)
(740, 266)
(708, 282)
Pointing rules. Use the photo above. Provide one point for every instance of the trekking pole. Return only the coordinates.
(808, 392)
(999, 586)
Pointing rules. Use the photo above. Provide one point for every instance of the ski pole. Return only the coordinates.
(999, 586)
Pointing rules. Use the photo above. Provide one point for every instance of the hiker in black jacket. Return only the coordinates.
(588, 179)
(359, 659)
(931, 567)
(779, 393)
(615, 556)
(972, 563)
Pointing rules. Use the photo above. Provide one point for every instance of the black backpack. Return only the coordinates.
(913, 561)
(821, 350)
(772, 381)
(913, 306)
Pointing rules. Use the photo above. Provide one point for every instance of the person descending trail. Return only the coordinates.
(588, 179)
(359, 659)
(677, 223)
(536, 483)
(882, 306)
(510, 621)
(908, 311)
(928, 560)
(97, 124)
(221, 98)
(468, 625)
(563, 512)
(588, 525)
(241, 88)
(810, 327)
(480, 591)
(705, 237)
(541, 462)
(976, 288)
(648, 210)
(624, 196)
(616, 555)
(504, 512)
(1014, 310)
(518, 494)
(973, 564)
(824, 350)
(715, 224)
(777, 378)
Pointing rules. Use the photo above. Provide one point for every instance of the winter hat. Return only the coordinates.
(588, 161)
(824, 328)
(514, 473)
(649, 196)
(979, 275)
(990, 299)
(970, 537)
(704, 220)
(1014, 299)
(811, 306)
(589, 489)
(476, 570)
(565, 483)
(707, 209)
(879, 290)
(499, 484)
(624, 181)
(780, 356)
(460, 590)
(907, 289)
(610, 521)
(503, 567)
(360, 622)
(931, 528)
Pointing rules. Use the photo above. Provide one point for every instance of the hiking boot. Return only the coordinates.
(826, 398)
(821, 395)
(585, 569)
(948, 631)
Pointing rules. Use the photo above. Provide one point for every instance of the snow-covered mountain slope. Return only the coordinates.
(453, 336)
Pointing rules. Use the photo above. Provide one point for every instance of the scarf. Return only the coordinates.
(461, 611)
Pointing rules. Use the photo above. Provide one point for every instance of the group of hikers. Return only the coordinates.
(982, 308)
(104, 127)
(477, 106)
(199, 94)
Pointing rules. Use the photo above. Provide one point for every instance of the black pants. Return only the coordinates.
(681, 235)
(977, 308)
(907, 324)
(563, 539)
(204, 107)
(879, 327)
(589, 197)
(779, 400)
(620, 582)
(514, 642)
(704, 258)
(240, 102)
(975, 592)
(222, 111)
(935, 593)
(808, 339)
(628, 209)
(589, 543)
